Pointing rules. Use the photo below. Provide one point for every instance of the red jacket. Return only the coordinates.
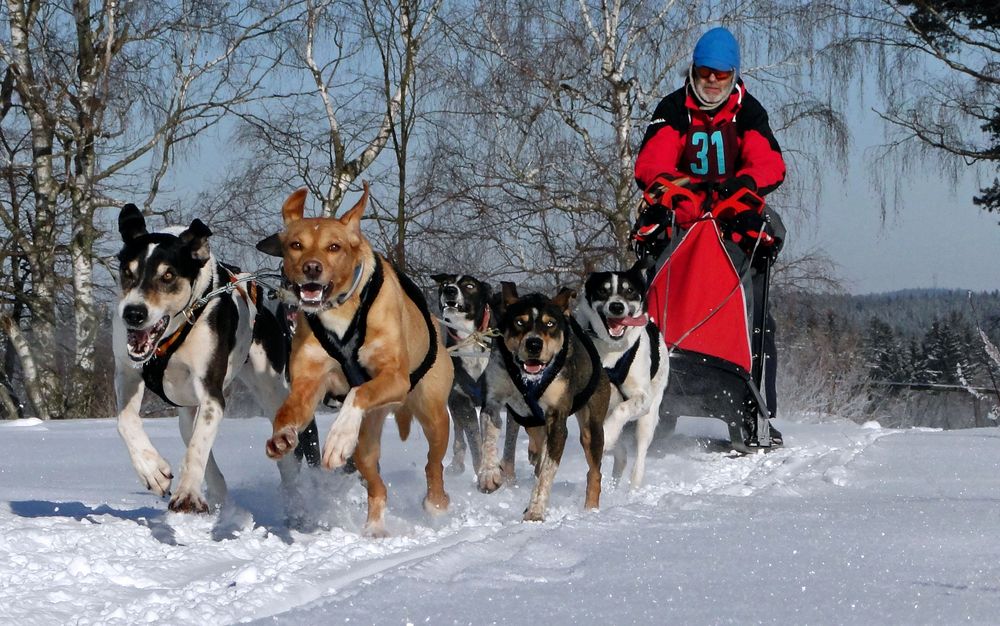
(683, 140)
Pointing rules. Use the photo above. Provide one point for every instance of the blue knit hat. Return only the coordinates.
(718, 50)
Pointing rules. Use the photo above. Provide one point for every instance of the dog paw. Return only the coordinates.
(437, 505)
(154, 472)
(509, 475)
(281, 442)
(456, 468)
(188, 502)
(339, 446)
(533, 516)
(490, 479)
(375, 530)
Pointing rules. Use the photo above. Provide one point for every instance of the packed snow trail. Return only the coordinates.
(845, 524)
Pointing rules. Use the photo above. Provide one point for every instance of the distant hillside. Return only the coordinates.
(909, 311)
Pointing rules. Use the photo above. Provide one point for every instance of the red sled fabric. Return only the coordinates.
(697, 299)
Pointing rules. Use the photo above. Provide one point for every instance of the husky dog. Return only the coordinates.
(176, 333)
(543, 370)
(634, 356)
(364, 333)
(468, 311)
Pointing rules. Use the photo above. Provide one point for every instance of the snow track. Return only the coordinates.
(83, 544)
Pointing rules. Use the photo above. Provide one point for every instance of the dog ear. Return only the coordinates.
(442, 278)
(352, 219)
(508, 293)
(271, 245)
(564, 299)
(638, 271)
(196, 238)
(294, 206)
(131, 223)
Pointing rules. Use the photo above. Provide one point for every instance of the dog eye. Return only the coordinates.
(295, 245)
(468, 286)
(549, 323)
(333, 247)
(519, 323)
(167, 276)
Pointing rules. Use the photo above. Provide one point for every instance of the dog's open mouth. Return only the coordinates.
(452, 304)
(291, 318)
(618, 325)
(142, 342)
(533, 367)
(313, 294)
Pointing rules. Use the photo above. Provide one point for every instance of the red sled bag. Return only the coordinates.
(697, 298)
(702, 302)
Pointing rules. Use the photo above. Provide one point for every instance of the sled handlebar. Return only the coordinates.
(663, 191)
(744, 200)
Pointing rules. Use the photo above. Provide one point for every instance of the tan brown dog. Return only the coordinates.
(365, 333)
(543, 370)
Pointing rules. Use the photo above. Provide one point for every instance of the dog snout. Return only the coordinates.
(450, 292)
(533, 346)
(312, 269)
(616, 308)
(135, 314)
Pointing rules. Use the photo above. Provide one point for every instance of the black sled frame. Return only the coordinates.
(702, 385)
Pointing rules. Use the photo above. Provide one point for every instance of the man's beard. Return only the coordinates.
(704, 99)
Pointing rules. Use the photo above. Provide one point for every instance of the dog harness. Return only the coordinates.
(475, 388)
(154, 368)
(619, 371)
(345, 351)
(532, 392)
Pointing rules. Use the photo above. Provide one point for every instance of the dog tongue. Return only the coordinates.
(640, 320)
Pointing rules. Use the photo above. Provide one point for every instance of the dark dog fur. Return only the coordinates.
(187, 354)
(543, 370)
(469, 314)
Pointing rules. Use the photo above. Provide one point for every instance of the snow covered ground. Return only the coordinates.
(846, 525)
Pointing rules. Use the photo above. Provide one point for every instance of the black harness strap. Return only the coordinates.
(533, 392)
(417, 297)
(345, 351)
(475, 388)
(156, 366)
(583, 396)
(654, 348)
(619, 372)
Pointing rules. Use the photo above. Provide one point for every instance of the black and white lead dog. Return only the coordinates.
(187, 349)
(468, 311)
(634, 356)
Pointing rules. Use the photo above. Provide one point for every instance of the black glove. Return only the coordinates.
(733, 185)
(746, 222)
(751, 225)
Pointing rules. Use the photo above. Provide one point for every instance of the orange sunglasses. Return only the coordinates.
(720, 75)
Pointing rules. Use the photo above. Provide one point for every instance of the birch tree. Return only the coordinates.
(340, 98)
(106, 92)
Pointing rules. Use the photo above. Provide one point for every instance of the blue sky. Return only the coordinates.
(935, 238)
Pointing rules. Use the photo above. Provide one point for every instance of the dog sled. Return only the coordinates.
(707, 293)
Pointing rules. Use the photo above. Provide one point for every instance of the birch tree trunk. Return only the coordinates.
(44, 379)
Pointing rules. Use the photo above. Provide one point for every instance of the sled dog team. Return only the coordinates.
(360, 332)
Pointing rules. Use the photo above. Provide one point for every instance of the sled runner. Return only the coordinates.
(702, 298)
